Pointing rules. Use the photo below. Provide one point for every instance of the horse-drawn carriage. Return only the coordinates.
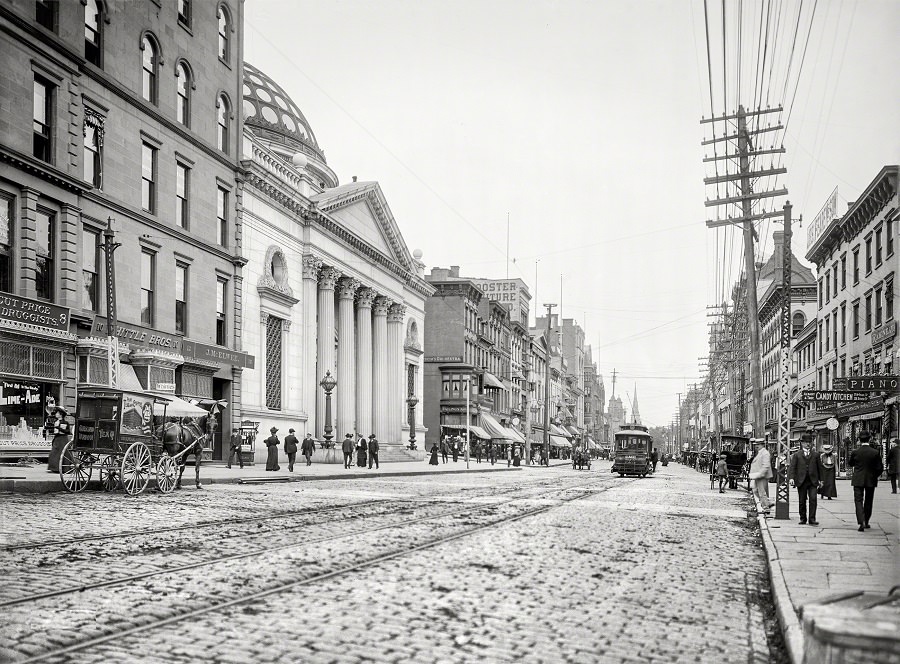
(115, 430)
(581, 459)
(735, 449)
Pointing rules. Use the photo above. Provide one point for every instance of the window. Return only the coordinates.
(856, 266)
(827, 288)
(827, 333)
(843, 322)
(183, 105)
(90, 248)
(93, 32)
(869, 254)
(868, 313)
(820, 337)
(43, 116)
(821, 293)
(148, 279)
(878, 246)
(45, 13)
(222, 215)
(843, 271)
(222, 122)
(888, 298)
(44, 249)
(181, 289)
(224, 28)
(889, 238)
(878, 309)
(274, 328)
(6, 243)
(150, 64)
(220, 312)
(93, 148)
(834, 329)
(182, 189)
(148, 177)
(184, 12)
(834, 286)
(855, 319)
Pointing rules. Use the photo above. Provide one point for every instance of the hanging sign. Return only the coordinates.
(823, 219)
(832, 396)
(873, 383)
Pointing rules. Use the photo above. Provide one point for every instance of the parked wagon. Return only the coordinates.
(114, 431)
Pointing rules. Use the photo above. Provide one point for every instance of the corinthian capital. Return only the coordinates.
(328, 277)
(311, 266)
(381, 305)
(347, 288)
(364, 297)
(397, 313)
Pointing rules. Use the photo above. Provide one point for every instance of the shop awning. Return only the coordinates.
(473, 430)
(573, 430)
(556, 431)
(515, 435)
(176, 407)
(592, 445)
(128, 380)
(866, 416)
(494, 428)
(490, 380)
(559, 441)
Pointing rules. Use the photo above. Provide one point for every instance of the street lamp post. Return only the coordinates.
(411, 402)
(547, 389)
(468, 422)
(535, 410)
(328, 383)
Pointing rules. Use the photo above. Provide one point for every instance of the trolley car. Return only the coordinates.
(632, 447)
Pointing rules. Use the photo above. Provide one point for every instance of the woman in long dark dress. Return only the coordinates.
(361, 450)
(433, 461)
(61, 430)
(827, 461)
(272, 444)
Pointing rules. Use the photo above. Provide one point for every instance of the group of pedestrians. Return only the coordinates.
(366, 451)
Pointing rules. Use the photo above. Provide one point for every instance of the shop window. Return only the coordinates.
(220, 312)
(42, 119)
(181, 290)
(148, 281)
(148, 177)
(93, 148)
(90, 251)
(93, 32)
(31, 361)
(183, 84)
(6, 243)
(224, 30)
(45, 13)
(182, 191)
(149, 69)
(273, 362)
(222, 216)
(45, 227)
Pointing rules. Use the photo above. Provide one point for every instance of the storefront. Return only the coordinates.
(853, 419)
(37, 364)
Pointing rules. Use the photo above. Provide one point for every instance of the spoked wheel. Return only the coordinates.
(166, 473)
(75, 468)
(136, 465)
(109, 473)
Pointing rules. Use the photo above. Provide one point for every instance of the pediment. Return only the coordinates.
(360, 219)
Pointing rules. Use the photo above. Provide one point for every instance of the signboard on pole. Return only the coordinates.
(832, 396)
(823, 219)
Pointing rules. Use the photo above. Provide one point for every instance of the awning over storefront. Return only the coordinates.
(128, 380)
(177, 407)
(494, 428)
(515, 435)
(591, 444)
(572, 430)
(866, 416)
(556, 431)
(473, 430)
(492, 381)
(559, 441)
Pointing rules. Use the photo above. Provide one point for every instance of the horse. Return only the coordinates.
(184, 435)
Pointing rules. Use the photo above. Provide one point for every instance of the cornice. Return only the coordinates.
(268, 292)
(43, 170)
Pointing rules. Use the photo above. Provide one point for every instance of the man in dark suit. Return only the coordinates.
(347, 449)
(307, 447)
(893, 460)
(867, 466)
(290, 448)
(804, 473)
(373, 451)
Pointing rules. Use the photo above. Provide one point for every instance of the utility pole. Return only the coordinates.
(547, 390)
(680, 437)
(747, 197)
(782, 492)
(112, 321)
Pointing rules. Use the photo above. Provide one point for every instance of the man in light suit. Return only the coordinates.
(867, 466)
(804, 473)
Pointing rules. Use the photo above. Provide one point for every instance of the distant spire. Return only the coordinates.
(635, 413)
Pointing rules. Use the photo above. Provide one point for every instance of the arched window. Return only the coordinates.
(224, 29)
(183, 86)
(798, 322)
(223, 115)
(150, 66)
(93, 32)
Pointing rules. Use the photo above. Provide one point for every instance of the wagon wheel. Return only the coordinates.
(109, 474)
(136, 465)
(75, 468)
(166, 473)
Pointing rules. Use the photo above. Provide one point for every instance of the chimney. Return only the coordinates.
(354, 178)
(439, 273)
(454, 271)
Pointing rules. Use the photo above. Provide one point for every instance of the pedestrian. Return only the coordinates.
(433, 461)
(722, 472)
(492, 452)
(515, 459)
(827, 462)
(805, 472)
(290, 448)
(654, 458)
(373, 451)
(235, 445)
(57, 426)
(478, 451)
(347, 449)
(361, 447)
(454, 448)
(760, 472)
(307, 447)
(893, 461)
(272, 444)
(445, 449)
(867, 466)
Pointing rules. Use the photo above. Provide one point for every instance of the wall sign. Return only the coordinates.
(33, 312)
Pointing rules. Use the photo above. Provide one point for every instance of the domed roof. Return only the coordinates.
(273, 115)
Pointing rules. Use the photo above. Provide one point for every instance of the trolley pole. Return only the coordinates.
(782, 492)
(112, 321)
(547, 390)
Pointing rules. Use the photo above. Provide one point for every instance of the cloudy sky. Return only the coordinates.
(579, 122)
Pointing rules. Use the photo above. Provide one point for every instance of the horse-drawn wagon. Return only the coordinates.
(114, 430)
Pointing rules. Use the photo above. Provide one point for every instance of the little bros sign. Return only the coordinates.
(873, 383)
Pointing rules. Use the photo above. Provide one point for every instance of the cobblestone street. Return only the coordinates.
(542, 565)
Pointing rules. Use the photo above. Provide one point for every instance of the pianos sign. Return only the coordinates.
(823, 219)
(873, 383)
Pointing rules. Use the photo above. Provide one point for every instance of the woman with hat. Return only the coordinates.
(57, 426)
(828, 460)
(272, 444)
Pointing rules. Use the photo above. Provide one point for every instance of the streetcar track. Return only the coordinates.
(252, 597)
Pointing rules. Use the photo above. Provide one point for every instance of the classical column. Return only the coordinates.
(310, 385)
(380, 415)
(364, 299)
(69, 236)
(328, 277)
(396, 399)
(346, 379)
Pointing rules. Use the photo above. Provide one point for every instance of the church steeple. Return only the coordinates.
(635, 413)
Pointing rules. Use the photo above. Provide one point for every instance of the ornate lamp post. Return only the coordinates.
(535, 410)
(328, 384)
(411, 402)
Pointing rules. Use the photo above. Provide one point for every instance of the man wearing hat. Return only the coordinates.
(290, 448)
(893, 461)
(373, 451)
(347, 449)
(867, 466)
(57, 426)
(760, 472)
(235, 447)
(272, 443)
(804, 472)
(307, 447)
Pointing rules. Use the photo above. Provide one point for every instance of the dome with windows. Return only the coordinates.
(273, 116)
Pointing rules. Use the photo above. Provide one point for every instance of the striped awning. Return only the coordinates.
(556, 431)
(494, 428)
(515, 435)
(490, 380)
(559, 441)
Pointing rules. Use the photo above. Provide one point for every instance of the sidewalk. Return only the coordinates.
(809, 563)
(36, 479)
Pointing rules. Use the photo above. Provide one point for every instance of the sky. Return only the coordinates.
(560, 142)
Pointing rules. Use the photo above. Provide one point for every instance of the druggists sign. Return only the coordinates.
(33, 312)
